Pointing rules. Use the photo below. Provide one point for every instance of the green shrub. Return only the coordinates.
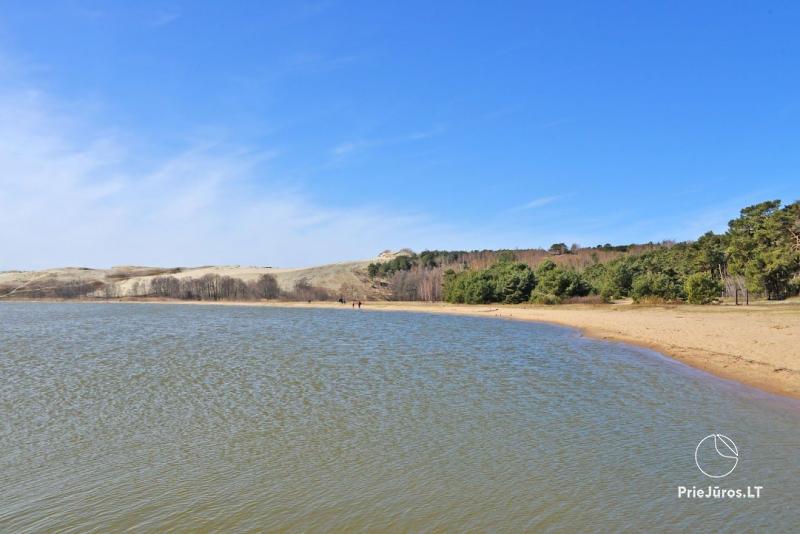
(479, 289)
(655, 287)
(506, 281)
(554, 283)
(594, 276)
(617, 281)
(513, 282)
(387, 268)
(468, 287)
(702, 288)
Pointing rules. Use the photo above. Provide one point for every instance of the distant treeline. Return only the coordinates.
(215, 288)
(210, 287)
(48, 288)
(759, 253)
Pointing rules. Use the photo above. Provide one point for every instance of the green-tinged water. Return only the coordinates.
(157, 418)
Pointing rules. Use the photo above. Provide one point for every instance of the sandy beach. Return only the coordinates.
(757, 345)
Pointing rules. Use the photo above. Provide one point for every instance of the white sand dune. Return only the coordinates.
(130, 281)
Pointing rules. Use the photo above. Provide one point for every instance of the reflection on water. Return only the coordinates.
(156, 417)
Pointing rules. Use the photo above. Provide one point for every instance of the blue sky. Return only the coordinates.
(183, 133)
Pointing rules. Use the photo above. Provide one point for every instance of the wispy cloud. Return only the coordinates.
(554, 123)
(71, 196)
(163, 18)
(425, 134)
(347, 147)
(538, 203)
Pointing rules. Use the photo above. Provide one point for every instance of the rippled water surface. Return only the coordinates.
(154, 418)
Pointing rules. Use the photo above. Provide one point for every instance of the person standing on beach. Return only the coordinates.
(359, 304)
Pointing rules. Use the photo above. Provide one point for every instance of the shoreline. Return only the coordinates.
(756, 345)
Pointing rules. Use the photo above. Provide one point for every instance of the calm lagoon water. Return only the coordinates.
(155, 418)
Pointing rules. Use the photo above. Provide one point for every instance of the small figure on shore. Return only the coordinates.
(359, 304)
(354, 304)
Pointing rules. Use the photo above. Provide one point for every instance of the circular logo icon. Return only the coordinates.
(716, 456)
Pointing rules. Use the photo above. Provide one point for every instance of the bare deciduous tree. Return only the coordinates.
(266, 287)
